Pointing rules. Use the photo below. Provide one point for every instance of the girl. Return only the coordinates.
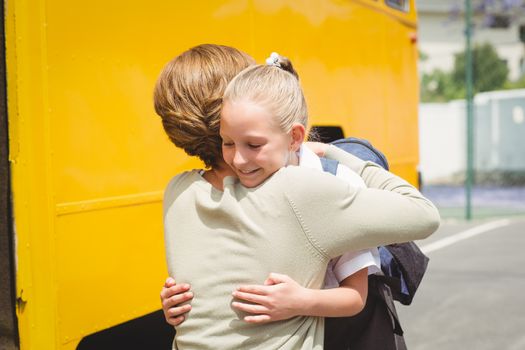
(263, 124)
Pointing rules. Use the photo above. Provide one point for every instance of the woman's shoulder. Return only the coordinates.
(302, 180)
(179, 183)
(187, 176)
(304, 175)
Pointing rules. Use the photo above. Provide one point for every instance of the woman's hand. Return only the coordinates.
(171, 296)
(318, 148)
(279, 298)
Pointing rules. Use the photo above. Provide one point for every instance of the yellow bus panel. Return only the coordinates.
(89, 159)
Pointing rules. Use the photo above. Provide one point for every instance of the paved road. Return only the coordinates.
(473, 295)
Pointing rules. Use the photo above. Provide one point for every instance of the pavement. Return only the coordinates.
(472, 294)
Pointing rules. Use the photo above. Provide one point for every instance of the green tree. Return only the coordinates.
(518, 84)
(439, 87)
(489, 71)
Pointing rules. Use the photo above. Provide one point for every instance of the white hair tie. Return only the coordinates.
(273, 60)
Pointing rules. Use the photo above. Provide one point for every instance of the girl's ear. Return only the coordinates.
(298, 132)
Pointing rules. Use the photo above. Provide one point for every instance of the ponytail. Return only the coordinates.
(282, 62)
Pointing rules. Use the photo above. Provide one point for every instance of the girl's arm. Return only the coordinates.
(172, 297)
(281, 298)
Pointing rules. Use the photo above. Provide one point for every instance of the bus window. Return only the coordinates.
(403, 5)
(325, 134)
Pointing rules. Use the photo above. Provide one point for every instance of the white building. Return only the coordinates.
(441, 35)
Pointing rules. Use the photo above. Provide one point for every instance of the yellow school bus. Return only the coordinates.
(85, 158)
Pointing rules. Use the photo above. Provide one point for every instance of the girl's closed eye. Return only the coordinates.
(227, 144)
(254, 146)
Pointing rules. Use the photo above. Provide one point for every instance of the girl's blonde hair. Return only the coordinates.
(276, 87)
(188, 97)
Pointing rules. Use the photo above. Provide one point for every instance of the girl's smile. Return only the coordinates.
(253, 144)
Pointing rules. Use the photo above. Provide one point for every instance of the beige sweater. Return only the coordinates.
(293, 223)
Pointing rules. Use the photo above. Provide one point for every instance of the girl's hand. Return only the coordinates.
(279, 298)
(318, 148)
(171, 296)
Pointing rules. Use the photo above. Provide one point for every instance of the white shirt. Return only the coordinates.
(350, 262)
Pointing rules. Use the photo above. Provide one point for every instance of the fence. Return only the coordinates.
(499, 154)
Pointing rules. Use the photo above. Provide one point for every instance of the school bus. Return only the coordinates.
(84, 159)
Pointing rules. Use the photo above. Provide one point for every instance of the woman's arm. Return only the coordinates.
(281, 298)
(337, 217)
(171, 297)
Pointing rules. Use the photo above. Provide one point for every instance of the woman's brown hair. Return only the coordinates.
(188, 97)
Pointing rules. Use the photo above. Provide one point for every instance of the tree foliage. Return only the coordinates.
(518, 84)
(490, 73)
(491, 13)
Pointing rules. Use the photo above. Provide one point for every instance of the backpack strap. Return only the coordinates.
(363, 149)
(329, 165)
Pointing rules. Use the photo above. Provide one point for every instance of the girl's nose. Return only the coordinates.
(238, 159)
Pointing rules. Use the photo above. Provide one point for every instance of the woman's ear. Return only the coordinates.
(298, 133)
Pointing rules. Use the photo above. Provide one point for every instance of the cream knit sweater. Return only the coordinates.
(293, 223)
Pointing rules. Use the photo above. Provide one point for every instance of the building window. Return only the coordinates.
(403, 5)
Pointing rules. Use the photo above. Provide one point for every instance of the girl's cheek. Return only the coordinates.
(226, 154)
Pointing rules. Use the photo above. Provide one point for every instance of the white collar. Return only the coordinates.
(308, 159)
